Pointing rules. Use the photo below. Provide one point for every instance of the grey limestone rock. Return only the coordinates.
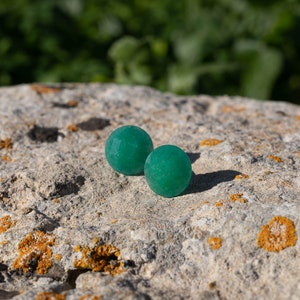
(73, 228)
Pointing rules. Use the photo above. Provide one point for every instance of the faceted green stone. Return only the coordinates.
(168, 170)
(127, 148)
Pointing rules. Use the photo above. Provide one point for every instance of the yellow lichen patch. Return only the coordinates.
(42, 89)
(238, 198)
(57, 257)
(72, 103)
(277, 235)
(241, 176)
(35, 252)
(95, 241)
(77, 248)
(90, 297)
(6, 223)
(210, 142)
(219, 204)
(50, 296)
(230, 109)
(6, 144)
(104, 258)
(214, 242)
(6, 158)
(275, 158)
(72, 128)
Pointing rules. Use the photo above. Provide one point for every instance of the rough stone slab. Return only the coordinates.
(54, 179)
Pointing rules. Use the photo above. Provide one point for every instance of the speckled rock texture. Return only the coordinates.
(72, 228)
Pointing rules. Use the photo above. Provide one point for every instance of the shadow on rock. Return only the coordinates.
(193, 156)
(203, 182)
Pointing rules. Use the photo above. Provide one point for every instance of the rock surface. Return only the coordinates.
(72, 228)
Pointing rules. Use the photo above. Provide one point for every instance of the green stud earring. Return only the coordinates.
(168, 170)
(127, 148)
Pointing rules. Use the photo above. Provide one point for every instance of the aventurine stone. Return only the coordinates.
(168, 171)
(127, 149)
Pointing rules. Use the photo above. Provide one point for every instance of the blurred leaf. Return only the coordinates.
(181, 79)
(214, 47)
(124, 49)
(189, 49)
(159, 47)
(261, 66)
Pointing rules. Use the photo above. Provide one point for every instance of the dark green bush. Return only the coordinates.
(250, 48)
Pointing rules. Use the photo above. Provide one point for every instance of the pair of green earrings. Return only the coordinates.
(168, 170)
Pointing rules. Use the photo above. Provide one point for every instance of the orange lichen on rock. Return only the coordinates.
(57, 256)
(50, 296)
(298, 118)
(104, 258)
(230, 109)
(238, 198)
(90, 297)
(6, 158)
(279, 234)
(72, 128)
(35, 252)
(72, 103)
(6, 223)
(6, 144)
(219, 204)
(210, 142)
(275, 158)
(241, 176)
(42, 89)
(214, 242)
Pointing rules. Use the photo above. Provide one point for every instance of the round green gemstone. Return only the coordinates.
(168, 170)
(127, 148)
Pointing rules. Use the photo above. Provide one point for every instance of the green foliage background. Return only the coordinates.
(244, 47)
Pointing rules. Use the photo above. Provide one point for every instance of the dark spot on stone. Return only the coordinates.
(48, 225)
(72, 275)
(68, 187)
(151, 252)
(62, 105)
(126, 284)
(200, 107)
(145, 283)
(212, 285)
(3, 267)
(281, 113)
(67, 105)
(256, 159)
(129, 263)
(93, 124)
(44, 134)
(33, 264)
(179, 104)
(8, 295)
(245, 123)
